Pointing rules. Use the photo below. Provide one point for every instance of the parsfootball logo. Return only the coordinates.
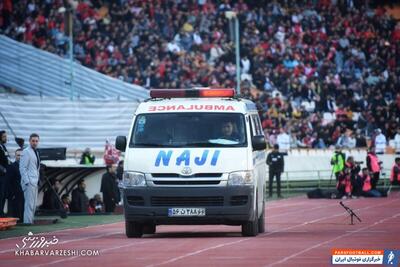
(186, 158)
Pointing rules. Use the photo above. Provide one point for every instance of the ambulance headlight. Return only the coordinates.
(131, 179)
(240, 178)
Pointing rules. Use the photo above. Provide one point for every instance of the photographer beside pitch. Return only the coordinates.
(374, 166)
(338, 162)
(365, 185)
(353, 183)
(346, 184)
(395, 172)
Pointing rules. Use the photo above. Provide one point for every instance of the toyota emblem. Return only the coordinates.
(186, 171)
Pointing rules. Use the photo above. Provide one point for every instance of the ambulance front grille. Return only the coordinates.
(187, 201)
(196, 175)
(186, 182)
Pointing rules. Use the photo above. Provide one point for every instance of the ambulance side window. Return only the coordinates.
(255, 126)
(261, 131)
(251, 126)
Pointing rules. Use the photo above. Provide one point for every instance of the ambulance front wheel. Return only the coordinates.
(250, 228)
(133, 229)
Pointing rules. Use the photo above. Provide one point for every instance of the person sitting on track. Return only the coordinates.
(346, 182)
(395, 172)
(364, 179)
(343, 185)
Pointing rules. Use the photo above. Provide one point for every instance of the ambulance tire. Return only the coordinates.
(261, 221)
(133, 229)
(149, 229)
(250, 228)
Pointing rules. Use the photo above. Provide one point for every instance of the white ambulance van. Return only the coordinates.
(194, 156)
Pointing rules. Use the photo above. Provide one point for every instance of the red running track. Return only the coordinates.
(300, 232)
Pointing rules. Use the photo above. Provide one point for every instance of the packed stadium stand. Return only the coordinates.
(325, 71)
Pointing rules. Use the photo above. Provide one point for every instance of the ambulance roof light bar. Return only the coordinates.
(182, 93)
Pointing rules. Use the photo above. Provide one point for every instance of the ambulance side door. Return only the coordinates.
(258, 157)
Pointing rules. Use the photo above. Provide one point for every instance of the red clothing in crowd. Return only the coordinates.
(7, 6)
(91, 210)
(366, 182)
(395, 174)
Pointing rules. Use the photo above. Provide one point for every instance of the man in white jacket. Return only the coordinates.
(29, 167)
(380, 142)
(397, 141)
(283, 140)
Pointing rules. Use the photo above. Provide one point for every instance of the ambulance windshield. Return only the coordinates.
(195, 129)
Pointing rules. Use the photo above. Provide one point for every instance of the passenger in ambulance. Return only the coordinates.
(153, 132)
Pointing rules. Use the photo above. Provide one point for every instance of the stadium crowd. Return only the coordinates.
(324, 72)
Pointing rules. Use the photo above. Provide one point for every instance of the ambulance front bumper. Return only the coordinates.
(223, 205)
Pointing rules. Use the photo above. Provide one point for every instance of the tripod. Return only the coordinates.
(351, 212)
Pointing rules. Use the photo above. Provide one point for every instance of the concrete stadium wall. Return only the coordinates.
(304, 164)
(300, 164)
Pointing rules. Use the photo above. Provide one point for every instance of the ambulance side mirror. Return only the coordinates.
(258, 142)
(120, 143)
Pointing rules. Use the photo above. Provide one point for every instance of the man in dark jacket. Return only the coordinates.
(120, 172)
(109, 188)
(80, 201)
(276, 166)
(51, 199)
(4, 163)
(15, 193)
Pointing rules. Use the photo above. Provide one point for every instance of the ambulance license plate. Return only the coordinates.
(186, 212)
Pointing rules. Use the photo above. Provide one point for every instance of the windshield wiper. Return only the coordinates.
(205, 144)
(194, 144)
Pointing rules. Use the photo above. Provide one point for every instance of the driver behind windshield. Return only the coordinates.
(228, 131)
